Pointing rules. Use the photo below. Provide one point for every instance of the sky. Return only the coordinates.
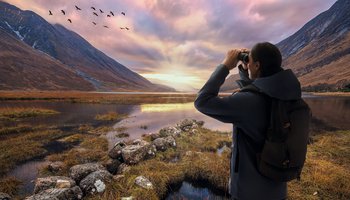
(178, 43)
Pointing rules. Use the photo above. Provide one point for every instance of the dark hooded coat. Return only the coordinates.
(248, 112)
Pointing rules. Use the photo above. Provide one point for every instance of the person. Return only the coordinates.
(249, 114)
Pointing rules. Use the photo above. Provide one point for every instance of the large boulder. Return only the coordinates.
(123, 168)
(163, 144)
(143, 182)
(169, 131)
(4, 196)
(78, 172)
(133, 154)
(58, 194)
(95, 182)
(116, 151)
(45, 183)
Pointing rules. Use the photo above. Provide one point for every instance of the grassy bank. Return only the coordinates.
(339, 94)
(88, 97)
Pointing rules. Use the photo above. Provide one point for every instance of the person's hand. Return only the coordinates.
(231, 59)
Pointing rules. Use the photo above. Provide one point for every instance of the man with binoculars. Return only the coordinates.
(249, 111)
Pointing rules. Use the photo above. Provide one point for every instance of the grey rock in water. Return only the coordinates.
(78, 172)
(140, 142)
(45, 183)
(116, 151)
(154, 136)
(143, 182)
(186, 125)
(73, 193)
(95, 182)
(133, 154)
(4, 196)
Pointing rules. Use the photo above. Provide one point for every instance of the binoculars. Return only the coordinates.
(244, 57)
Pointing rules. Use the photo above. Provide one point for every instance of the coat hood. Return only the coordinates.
(283, 85)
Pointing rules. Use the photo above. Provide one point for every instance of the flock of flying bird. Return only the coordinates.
(110, 14)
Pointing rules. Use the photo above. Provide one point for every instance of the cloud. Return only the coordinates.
(186, 37)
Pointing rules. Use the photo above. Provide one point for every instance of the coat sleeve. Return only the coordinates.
(229, 109)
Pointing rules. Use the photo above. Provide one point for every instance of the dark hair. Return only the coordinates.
(269, 57)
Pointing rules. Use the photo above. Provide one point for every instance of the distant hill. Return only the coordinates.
(319, 53)
(73, 51)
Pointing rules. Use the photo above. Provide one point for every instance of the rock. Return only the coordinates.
(151, 153)
(163, 144)
(143, 182)
(133, 154)
(139, 142)
(193, 131)
(123, 168)
(58, 194)
(187, 125)
(45, 183)
(55, 166)
(4, 196)
(95, 182)
(154, 136)
(169, 131)
(78, 172)
(112, 166)
(115, 152)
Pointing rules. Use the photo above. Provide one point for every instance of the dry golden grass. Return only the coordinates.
(111, 116)
(89, 97)
(327, 169)
(340, 94)
(9, 185)
(18, 113)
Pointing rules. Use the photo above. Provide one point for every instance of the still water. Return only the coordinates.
(329, 113)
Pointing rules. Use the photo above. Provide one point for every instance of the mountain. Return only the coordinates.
(73, 51)
(318, 53)
(20, 66)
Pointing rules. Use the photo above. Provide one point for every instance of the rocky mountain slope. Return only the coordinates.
(21, 67)
(72, 50)
(319, 53)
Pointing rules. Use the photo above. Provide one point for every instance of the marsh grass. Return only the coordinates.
(122, 135)
(9, 185)
(19, 113)
(24, 147)
(89, 97)
(111, 116)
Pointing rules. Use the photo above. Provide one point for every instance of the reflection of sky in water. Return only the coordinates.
(188, 191)
(157, 116)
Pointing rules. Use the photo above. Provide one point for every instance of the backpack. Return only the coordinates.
(283, 154)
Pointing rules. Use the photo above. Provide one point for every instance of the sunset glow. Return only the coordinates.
(178, 43)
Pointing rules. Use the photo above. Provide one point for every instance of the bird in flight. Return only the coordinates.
(122, 28)
(94, 23)
(95, 14)
(77, 8)
(101, 10)
(106, 26)
(108, 16)
(112, 13)
(70, 21)
(126, 28)
(93, 8)
(64, 13)
(123, 13)
(50, 13)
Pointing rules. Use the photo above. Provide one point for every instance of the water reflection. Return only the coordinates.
(190, 191)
